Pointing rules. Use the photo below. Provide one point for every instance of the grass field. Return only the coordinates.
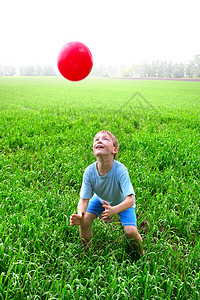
(47, 127)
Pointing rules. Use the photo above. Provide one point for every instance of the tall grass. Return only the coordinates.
(46, 131)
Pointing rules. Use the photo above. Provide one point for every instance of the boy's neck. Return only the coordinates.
(104, 165)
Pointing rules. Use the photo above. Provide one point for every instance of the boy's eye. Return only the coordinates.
(104, 138)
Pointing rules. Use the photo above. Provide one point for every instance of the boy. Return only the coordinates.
(106, 190)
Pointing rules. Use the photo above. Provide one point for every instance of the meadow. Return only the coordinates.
(47, 127)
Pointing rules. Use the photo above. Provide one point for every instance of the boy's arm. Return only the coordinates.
(82, 206)
(112, 210)
(77, 219)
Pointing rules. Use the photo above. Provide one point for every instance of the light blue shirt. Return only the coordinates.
(113, 187)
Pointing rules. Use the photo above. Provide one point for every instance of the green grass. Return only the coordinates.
(47, 127)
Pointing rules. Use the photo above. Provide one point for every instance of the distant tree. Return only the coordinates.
(27, 70)
(37, 70)
(179, 70)
(144, 70)
(159, 69)
(30, 70)
(168, 69)
(125, 73)
(21, 71)
(152, 69)
(10, 70)
(7, 70)
(48, 71)
(189, 69)
(112, 70)
(135, 70)
(197, 66)
(1, 70)
(99, 71)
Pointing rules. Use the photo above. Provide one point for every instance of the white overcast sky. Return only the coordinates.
(116, 31)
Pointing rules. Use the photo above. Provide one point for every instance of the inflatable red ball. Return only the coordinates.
(74, 61)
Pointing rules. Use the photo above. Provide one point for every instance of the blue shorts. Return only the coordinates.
(127, 217)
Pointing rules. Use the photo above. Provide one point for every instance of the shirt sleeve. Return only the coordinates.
(126, 186)
(86, 188)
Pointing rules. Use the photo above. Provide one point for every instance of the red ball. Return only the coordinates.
(75, 61)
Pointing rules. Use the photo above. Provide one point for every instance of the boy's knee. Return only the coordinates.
(85, 224)
(87, 221)
(130, 231)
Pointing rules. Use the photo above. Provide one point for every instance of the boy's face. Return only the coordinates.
(103, 145)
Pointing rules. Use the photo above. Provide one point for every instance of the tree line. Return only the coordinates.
(162, 69)
(29, 70)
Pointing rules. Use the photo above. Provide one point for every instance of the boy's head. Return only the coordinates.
(104, 143)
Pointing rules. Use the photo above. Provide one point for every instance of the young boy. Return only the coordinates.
(106, 190)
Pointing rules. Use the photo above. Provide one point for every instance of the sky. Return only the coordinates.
(118, 32)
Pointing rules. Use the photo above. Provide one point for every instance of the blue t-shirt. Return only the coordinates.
(113, 187)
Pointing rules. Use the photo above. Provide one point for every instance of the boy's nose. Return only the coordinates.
(99, 142)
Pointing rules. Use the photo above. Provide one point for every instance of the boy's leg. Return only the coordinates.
(129, 220)
(85, 229)
(134, 237)
(94, 209)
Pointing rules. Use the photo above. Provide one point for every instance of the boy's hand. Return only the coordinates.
(77, 219)
(109, 210)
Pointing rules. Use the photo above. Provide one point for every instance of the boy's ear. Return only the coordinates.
(115, 150)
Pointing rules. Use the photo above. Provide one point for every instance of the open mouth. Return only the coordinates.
(99, 147)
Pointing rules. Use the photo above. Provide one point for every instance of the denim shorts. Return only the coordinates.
(127, 217)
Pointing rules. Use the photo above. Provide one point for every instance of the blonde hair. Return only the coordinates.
(114, 139)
